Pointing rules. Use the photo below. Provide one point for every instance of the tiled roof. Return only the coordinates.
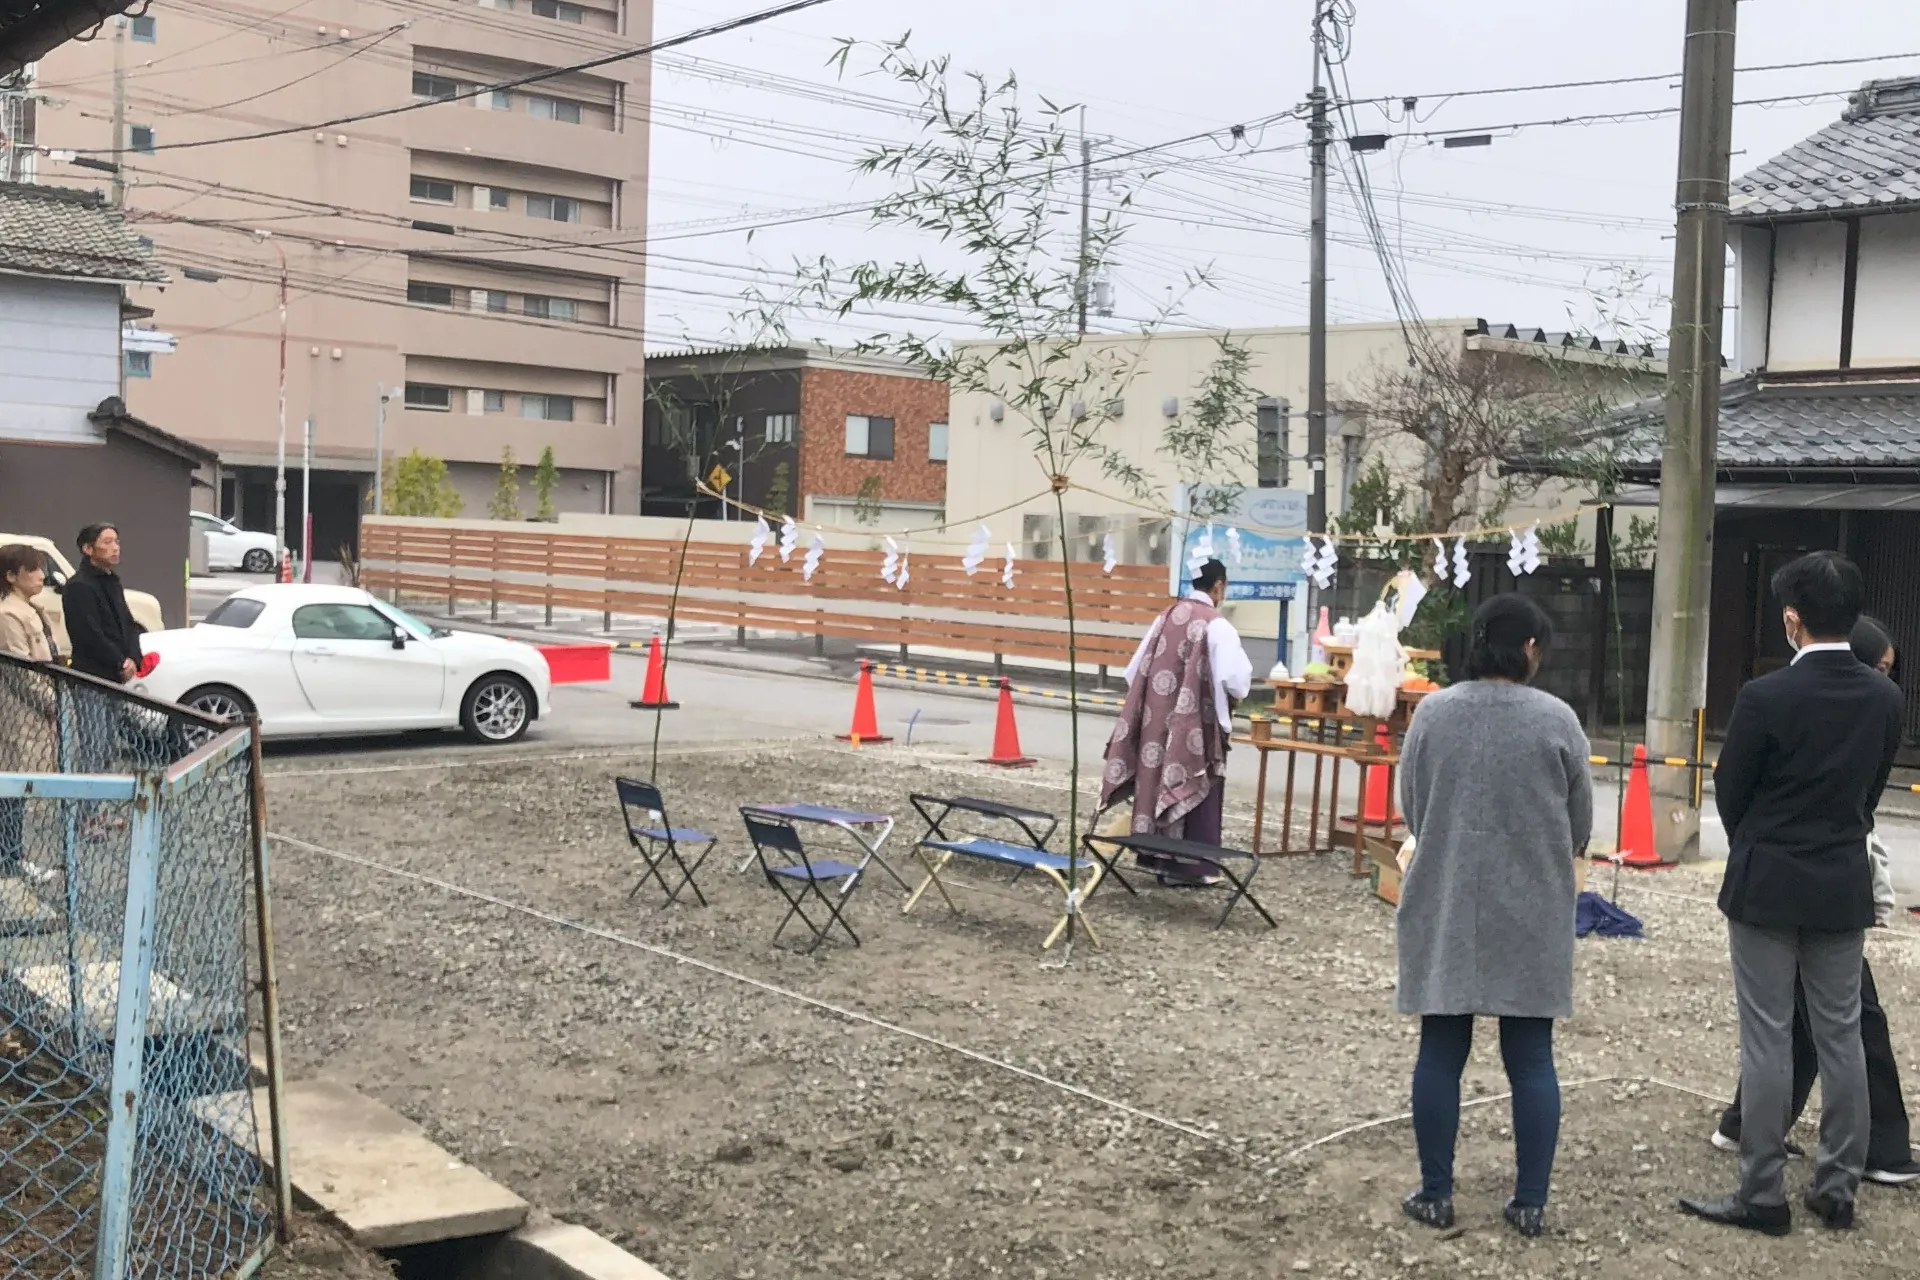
(1869, 159)
(55, 231)
(1777, 427)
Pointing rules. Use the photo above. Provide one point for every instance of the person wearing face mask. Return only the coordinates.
(1890, 1159)
(1807, 754)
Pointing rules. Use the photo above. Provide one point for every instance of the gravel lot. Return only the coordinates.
(722, 1130)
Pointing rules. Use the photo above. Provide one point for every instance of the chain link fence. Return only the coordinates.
(127, 1124)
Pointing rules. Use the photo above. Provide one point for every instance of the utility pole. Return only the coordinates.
(120, 111)
(306, 505)
(1318, 133)
(380, 452)
(280, 448)
(1084, 287)
(1683, 564)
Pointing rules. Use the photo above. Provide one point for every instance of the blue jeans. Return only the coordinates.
(1526, 1048)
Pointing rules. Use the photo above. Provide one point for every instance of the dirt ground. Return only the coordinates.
(322, 1252)
(724, 1131)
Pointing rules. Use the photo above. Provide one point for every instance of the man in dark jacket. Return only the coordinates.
(101, 632)
(1807, 755)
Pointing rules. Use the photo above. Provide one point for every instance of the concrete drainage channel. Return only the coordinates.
(397, 1193)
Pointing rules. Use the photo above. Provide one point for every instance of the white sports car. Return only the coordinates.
(231, 547)
(316, 660)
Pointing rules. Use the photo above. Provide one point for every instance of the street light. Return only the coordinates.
(280, 453)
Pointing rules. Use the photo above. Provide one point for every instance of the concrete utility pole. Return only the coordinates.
(1318, 134)
(380, 452)
(1084, 286)
(120, 111)
(280, 447)
(1683, 565)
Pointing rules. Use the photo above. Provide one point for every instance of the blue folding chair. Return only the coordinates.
(658, 841)
(801, 877)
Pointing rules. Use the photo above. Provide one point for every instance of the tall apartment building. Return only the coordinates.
(477, 261)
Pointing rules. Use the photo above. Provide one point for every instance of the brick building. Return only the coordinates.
(816, 434)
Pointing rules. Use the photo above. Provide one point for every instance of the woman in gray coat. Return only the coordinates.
(1496, 793)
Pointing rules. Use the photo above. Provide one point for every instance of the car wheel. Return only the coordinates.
(258, 560)
(498, 708)
(221, 701)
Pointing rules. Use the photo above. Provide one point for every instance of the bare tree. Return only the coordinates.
(1450, 424)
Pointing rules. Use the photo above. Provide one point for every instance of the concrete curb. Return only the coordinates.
(561, 1251)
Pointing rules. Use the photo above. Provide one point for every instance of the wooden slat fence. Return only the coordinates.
(941, 607)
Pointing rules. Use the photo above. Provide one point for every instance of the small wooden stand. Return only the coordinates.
(1313, 721)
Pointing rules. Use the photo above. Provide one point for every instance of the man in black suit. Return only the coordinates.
(1807, 755)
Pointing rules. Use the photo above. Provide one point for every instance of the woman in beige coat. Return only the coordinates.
(27, 734)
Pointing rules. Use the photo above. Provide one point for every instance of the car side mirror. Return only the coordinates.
(399, 637)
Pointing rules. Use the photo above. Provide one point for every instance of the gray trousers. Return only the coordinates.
(1765, 963)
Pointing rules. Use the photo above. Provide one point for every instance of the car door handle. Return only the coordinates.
(319, 651)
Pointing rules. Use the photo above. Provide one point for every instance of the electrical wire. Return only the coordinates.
(535, 77)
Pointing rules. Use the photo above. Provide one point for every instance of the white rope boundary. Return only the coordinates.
(1236, 1147)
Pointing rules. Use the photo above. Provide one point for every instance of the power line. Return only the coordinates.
(1613, 81)
(535, 77)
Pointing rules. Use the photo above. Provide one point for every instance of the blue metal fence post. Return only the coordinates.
(129, 1033)
(70, 865)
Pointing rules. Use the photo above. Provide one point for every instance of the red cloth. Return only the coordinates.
(1167, 750)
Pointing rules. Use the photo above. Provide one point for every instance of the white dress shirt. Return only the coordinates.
(1824, 646)
(1232, 670)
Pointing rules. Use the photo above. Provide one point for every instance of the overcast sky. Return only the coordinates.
(755, 125)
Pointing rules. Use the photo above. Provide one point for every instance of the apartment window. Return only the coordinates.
(553, 208)
(551, 308)
(493, 402)
(500, 100)
(137, 364)
(558, 11)
(432, 86)
(140, 137)
(936, 442)
(145, 242)
(496, 299)
(869, 437)
(425, 395)
(780, 428)
(561, 109)
(551, 408)
(143, 29)
(430, 295)
(431, 190)
(498, 197)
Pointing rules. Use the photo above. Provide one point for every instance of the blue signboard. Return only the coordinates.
(1271, 524)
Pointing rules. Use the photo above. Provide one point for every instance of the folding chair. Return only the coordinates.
(1193, 858)
(658, 841)
(800, 877)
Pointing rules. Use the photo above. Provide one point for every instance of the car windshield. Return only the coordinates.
(411, 623)
(234, 611)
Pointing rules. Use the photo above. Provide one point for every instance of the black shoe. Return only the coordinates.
(1834, 1215)
(1896, 1174)
(1732, 1211)
(1528, 1219)
(1437, 1214)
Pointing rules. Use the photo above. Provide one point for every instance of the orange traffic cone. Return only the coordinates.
(286, 565)
(1377, 808)
(1636, 819)
(866, 725)
(1006, 735)
(653, 694)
